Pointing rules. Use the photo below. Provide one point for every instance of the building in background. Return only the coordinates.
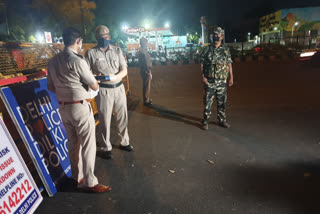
(158, 38)
(295, 25)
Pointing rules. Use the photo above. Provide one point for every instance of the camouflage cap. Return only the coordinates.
(219, 30)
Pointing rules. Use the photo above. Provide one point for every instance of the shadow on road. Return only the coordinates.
(159, 111)
(295, 186)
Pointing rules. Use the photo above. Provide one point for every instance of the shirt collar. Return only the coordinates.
(216, 48)
(71, 51)
(111, 48)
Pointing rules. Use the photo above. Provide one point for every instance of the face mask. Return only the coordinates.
(214, 38)
(80, 47)
(103, 42)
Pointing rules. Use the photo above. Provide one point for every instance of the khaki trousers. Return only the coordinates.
(80, 127)
(146, 86)
(112, 102)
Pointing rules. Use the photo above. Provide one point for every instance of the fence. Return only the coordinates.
(306, 42)
(24, 61)
(274, 46)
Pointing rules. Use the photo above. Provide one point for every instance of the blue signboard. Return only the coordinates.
(35, 111)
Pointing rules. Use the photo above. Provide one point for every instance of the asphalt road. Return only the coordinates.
(267, 162)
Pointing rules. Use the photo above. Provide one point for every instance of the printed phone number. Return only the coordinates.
(15, 198)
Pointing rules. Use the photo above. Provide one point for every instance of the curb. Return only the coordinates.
(273, 58)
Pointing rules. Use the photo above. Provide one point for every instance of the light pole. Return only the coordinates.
(295, 24)
(82, 22)
(203, 22)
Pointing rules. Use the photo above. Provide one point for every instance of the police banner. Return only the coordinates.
(18, 191)
(35, 111)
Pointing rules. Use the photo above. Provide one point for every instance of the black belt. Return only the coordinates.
(73, 102)
(213, 80)
(102, 85)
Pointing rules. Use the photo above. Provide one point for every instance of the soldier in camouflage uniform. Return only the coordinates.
(216, 67)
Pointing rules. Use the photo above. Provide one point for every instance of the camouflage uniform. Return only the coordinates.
(216, 69)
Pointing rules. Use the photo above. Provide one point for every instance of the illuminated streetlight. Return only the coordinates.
(167, 25)
(147, 26)
(275, 28)
(147, 23)
(125, 27)
(40, 37)
(295, 24)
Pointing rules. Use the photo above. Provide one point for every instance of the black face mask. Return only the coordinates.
(214, 38)
(103, 42)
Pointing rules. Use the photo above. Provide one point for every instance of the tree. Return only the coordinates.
(75, 13)
(193, 38)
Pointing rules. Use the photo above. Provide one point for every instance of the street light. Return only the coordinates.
(125, 27)
(167, 25)
(39, 37)
(147, 26)
(275, 28)
(295, 24)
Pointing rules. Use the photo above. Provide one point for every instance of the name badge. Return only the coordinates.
(100, 59)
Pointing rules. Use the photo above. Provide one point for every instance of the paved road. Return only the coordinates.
(267, 162)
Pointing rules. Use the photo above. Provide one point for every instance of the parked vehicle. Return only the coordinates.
(311, 56)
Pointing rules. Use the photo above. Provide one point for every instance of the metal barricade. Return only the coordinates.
(20, 62)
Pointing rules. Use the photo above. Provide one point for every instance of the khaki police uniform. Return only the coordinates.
(145, 68)
(68, 72)
(111, 100)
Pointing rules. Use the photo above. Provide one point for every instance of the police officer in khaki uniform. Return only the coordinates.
(145, 71)
(68, 77)
(108, 60)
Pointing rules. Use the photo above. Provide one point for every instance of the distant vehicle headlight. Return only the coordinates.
(307, 54)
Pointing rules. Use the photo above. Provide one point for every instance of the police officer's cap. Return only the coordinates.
(143, 41)
(101, 30)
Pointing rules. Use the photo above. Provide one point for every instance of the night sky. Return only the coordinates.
(237, 17)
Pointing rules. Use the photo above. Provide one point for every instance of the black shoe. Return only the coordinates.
(149, 103)
(205, 126)
(128, 148)
(70, 185)
(107, 155)
(224, 125)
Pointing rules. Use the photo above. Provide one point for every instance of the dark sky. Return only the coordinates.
(237, 16)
